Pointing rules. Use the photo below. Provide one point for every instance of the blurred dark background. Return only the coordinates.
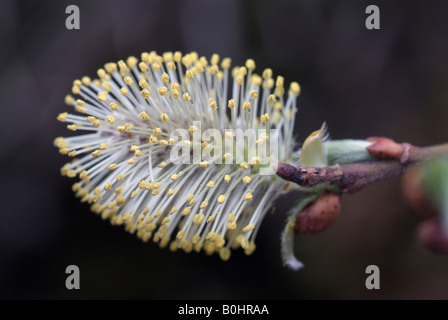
(391, 82)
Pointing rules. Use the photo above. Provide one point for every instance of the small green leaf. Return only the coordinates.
(347, 151)
(435, 183)
(313, 153)
(287, 239)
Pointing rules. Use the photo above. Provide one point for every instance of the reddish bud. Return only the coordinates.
(320, 215)
(384, 148)
(431, 235)
(415, 196)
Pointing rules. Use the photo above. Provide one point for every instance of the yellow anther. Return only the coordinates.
(249, 227)
(107, 186)
(224, 254)
(110, 67)
(102, 96)
(267, 73)
(226, 62)
(80, 102)
(186, 96)
(155, 192)
(69, 100)
(231, 225)
(246, 180)
(210, 184)
(71, 127)
(134, 148)
(112, 166)
(156, 67)
(192, 129)
(177, 56)
(253, 94)
(165, 77)
(279, 82)
(162, 165)
(106, 86)
(76, 90)
(124, 91)
(204, 144)
(110, 119)
(248, 197)
(143, 66)
(244, 243)
(213, 104)
(102, 146)
(145, 93)
(120, 200)
(204, 204)
(138, 153)
(113, 106)
(198, 218)
(221, 199)
(118, 190)
(246, 105)
(199, 68)
(295, 88)
(86, 81)
(143, 84)
(96, 153)
(128, 80)
(120, 177)
(164, 117)
(203, 164)
(131, 161)
(239, 80)
(231, 103)
(186, 211)
(165, 220)
(171, 65)
(128, 126)
(62, 116)
(180, 234)
(101, 73)
(174, 177)
(167, 56)
(144, 116)
(72, 153)
(250, 64)
(71, 173)
(96, 123)
(76, 187)
(175, 93)
(255, 160)
(211, 219)
(214, 70)
(157, 184)
(269, 83)
(265, 118)
(190, 196)
(250, 249)
(242, 71)
(244, 165)
(227, 178)
(170, 192)
(214, 60)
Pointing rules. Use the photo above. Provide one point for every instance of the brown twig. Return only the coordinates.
(392, 159)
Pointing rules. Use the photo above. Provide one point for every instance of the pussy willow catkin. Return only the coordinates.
(121, 151)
